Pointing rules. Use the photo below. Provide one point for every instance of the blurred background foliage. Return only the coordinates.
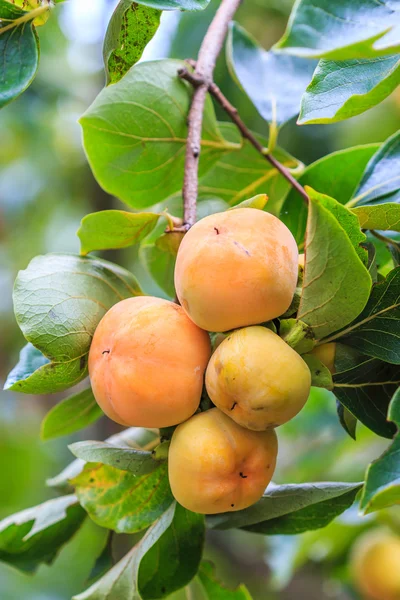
(46, 187)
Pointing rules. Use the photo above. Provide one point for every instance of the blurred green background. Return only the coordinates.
(46, 187)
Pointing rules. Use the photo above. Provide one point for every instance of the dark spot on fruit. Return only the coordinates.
(233, 405)
(91, 480)
(106, 352)
(217, 230)
(232, 505)
(242, 475)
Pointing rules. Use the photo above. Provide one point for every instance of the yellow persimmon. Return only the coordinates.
(257, 379)
(215, 465)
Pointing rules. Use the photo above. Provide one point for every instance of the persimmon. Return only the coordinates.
(326, 354)
(236, 268)
(147, 362)
(215, 465)
(375, 564)
(257, 379)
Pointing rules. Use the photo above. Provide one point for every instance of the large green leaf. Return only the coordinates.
(214, 590)
(135, 134)
(70, 415)
(242, 173)
(121, 501)
(291, 508)
(379, 216)
(134, 437)
(164, 560)
(382, 481)
(137, 462)
(365, 386)
(130, 29)
(35, 374)
(19, 53)
(336, 175)
(171, 563)
(342, 29)
(274, 82)
(59, 301)
(35, 535)
(336, 284)
(376, 331)
(343, 89)
(109, 229)
(381, 180)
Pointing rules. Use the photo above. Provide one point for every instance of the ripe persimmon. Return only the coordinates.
(147, 362)
(236, 268)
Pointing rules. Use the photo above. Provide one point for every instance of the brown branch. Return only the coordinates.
(208, 54)
(232, 111)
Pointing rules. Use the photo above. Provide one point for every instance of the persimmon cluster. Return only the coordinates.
(235, 272)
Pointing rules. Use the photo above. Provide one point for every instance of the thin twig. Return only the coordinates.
(197, 82)
(208, 54)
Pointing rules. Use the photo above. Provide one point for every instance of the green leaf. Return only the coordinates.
(19, 53)
(376, 331)
(365, 386)
(274, 82)
(136, 462)
(121, 582)
(347, 420)
(35, 374)
(35, 535)
(164, 560)
(59, 301)
(381, 180)
(130, 29)
(173, 562)
(336, 175)
(110, 229)
(134, 437)
(336, 284)
(379, 216)
(214, 590)
(161, 266)
(135, 134)
(342, 29)
(320, 374)
(121, 501)
(258, 201)
(244, 172)
(70, 415)
(343, 89)
(291, 509)
(382, 481)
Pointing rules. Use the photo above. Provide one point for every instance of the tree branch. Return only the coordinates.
(214, 90)
(208, 54)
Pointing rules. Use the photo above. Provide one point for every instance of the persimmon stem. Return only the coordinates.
(197, 82)
(208, 54)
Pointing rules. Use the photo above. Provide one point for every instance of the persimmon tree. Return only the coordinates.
(152, 140)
